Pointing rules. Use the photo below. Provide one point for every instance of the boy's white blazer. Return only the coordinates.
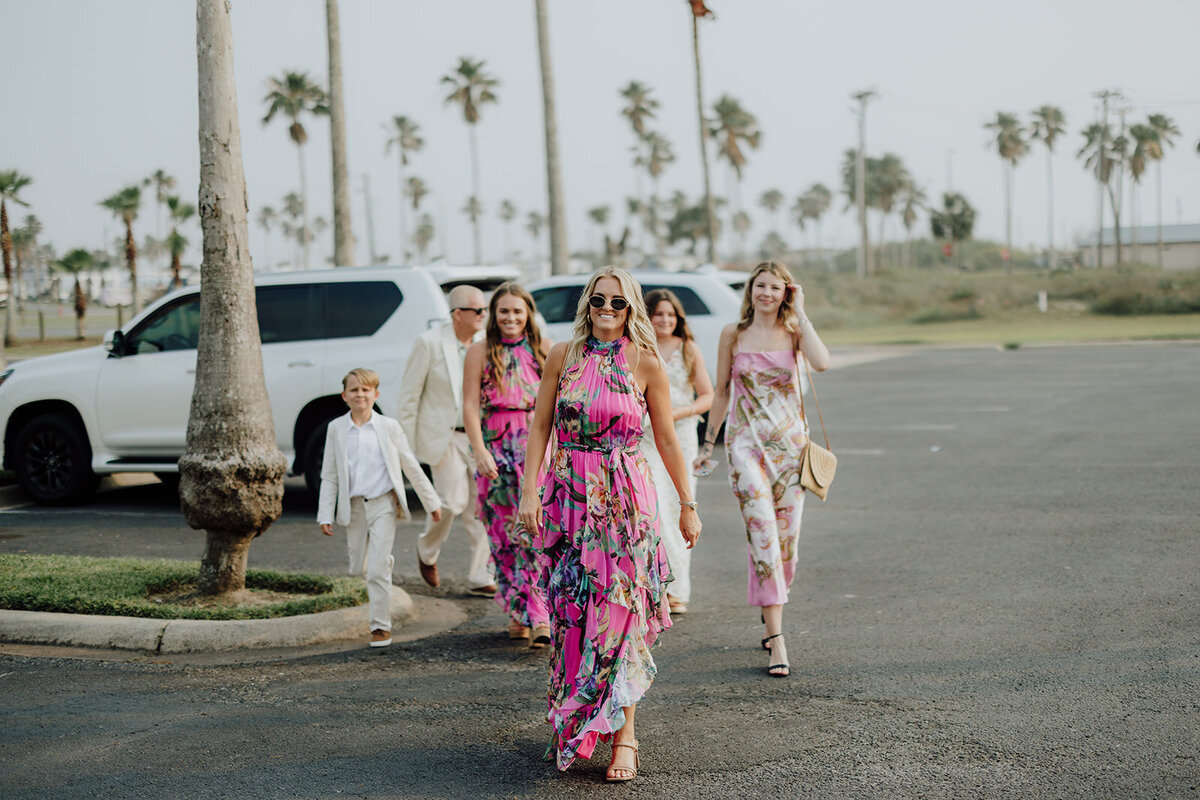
(397, 455)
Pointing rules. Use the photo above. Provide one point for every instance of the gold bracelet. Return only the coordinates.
(689, 503)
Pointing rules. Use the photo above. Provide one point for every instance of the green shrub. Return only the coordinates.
(946, 315)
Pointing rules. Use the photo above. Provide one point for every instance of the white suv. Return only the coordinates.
(124, 407)
(707, 300)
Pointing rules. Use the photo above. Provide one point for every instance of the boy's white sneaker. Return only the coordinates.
(380, 638)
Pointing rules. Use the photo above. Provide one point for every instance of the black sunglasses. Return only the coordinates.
(475, 311)
(617, 303)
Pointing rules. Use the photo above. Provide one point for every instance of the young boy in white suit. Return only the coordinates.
(362, 490)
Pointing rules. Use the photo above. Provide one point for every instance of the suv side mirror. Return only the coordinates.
(114, 343)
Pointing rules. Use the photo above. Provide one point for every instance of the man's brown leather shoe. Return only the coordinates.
(429, 573)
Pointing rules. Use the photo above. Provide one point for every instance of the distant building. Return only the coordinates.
(1181, 247)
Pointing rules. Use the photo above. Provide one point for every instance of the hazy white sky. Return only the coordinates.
(98, 95)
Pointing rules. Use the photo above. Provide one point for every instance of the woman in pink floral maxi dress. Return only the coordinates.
(759, 384)
(500, 383)
(605, 570)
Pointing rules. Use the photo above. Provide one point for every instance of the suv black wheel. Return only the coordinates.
(314, 455)
(54, 461)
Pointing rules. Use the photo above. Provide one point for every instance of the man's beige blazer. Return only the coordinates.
(431, 392)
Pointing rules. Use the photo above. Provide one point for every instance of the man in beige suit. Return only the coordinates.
(431, 414)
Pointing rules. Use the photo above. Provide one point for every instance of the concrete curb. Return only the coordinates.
(195, 636)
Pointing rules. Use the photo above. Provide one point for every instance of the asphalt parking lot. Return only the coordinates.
(999, 600)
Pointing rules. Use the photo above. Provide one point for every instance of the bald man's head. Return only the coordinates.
(468, 311)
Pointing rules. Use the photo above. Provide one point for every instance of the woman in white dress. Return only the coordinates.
(691, 396)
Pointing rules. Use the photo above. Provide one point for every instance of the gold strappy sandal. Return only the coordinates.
(637, 764)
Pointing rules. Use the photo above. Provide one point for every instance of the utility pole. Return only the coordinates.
(366, 190)
(860, 181)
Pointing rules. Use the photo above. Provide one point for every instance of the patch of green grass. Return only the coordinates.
(122, 586)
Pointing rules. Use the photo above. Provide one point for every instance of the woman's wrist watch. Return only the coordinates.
(689, 503)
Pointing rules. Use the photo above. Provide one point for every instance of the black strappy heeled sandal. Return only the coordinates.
(785, 665)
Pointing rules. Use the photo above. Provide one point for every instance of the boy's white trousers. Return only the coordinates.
(369, 539)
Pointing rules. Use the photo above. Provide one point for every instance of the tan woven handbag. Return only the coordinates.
(817, 464)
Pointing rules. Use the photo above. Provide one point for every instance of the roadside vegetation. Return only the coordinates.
(161, 589)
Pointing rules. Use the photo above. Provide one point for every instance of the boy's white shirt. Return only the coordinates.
(334, 503)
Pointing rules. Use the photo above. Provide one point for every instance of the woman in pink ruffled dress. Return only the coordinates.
(604, 568)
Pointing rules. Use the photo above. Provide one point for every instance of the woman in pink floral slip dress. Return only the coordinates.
(758, 383)
(500, 383)
(604, 568)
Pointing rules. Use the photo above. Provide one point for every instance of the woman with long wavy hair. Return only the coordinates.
(604, 568)
(758, 384)
(691, 396)
(500, 384)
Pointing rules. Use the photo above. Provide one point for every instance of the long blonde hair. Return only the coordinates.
(495, 348)
(787, 313)
(637, 324)
(682, 330)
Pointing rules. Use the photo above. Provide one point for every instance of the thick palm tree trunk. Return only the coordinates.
(232, 473)
(708, 198)
(1050, 205)
(556, 209)
(343, 234)
(1158, 210)
(1008, 179)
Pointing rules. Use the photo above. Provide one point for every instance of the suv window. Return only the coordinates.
(288, 313)
(173, 327)
(359, 308)
(692, 304)
(558, 303)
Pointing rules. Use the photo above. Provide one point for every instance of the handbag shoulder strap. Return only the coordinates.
(812, 386)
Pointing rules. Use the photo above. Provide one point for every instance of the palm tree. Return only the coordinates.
(423, 235)
(343, 233)
(731, 125)
(124, 205)
(554, 192)
(293, 95)
(954, 222)
(912, 201)
(1146, 147)
(267, 217)
(22, 244)
(231, 475)
(1010, 143)
(11, 184)
(850, 188)
(534, 222)
(404, 135)
(814, 203)
(658, 155)
(1164, 126)
(474, 210)
(599, 217)
(889, 176)
(700, 11)
(741, 224)
(639, 107)
(34, 226)
(1104, 155)
(163, 185)
(772, 201)
(507, 213)
(293, 206)
(73, 263)
(181, 212)
(472, 89)
(1048, 124)
(416, 190)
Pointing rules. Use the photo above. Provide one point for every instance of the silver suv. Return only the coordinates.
(124, 407)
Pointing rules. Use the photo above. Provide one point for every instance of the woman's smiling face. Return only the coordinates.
(767, 293)
(664, 318)
(608, 323)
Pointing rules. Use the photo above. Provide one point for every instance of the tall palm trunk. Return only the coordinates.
(475, 193)
(343, 234)
(1115, 202)
(1008, 181)
(80, 310)
(660, 248)
(131, 262)
(554, 190)
(708, 198)
(1158, 207)
(176, 266)
(305, 233)
(1133, 221)
(6, 247)
(1050, 204)
(403, 208)
(232, 473)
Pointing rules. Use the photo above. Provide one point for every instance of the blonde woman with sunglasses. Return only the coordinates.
(604, 569)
